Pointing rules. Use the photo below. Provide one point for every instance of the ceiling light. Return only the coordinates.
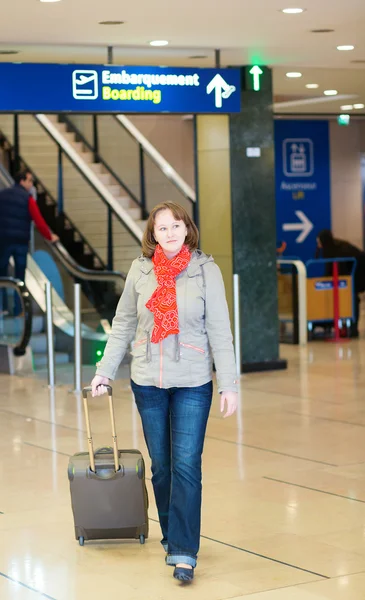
(198, 56)
(49, 0)
(347, 107)
(312, 86)
(292, 11)
(7, 52)
(322, 30)
(111, 22)
(159, 43)
(294, 75)
(345, 48)
(359, 106)
(330, 92)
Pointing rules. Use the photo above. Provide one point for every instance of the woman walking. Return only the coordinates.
(174, 310)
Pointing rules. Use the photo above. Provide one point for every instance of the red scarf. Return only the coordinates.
(163, 302)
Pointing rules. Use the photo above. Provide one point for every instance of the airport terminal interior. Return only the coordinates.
(252, 119)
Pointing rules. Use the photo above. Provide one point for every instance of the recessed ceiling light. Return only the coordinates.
(197, 56)
(347, 107)
(50, 0)
(159, 43)
(359, 106)
(111, 22)
(312, 86)
(322, 30)
(7, 52)
(345, 48)
(359, 61)
(292, 11)
(294, 75)
(330, 92)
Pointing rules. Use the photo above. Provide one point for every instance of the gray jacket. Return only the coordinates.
(183, 360)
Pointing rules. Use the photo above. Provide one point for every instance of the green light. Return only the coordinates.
(343, 119)
(256, 72)
(99, 353)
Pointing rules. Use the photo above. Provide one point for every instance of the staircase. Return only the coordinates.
(82, 204)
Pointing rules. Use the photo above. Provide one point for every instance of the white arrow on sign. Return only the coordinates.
(222, 89)
(305, 226)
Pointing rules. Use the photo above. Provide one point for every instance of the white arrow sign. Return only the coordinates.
(305, 226)
(222, 89)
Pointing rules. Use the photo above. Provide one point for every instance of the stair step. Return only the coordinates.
(88, 157)
(97, 167)
(135, 213)
(124, 201)
(115, 189)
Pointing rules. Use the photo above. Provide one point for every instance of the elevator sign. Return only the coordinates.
(112, 89)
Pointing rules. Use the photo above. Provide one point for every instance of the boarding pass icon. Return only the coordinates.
(85, 84)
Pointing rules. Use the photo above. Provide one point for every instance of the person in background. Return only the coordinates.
(331, 247)
(18, 209)
(174, 309)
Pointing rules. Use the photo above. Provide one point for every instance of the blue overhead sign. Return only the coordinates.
(103, 88)
(303, 195)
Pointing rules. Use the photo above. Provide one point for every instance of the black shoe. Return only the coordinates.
(184, 574)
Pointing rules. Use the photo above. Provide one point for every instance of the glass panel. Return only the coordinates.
(125, 247)
(85, 208)
(120, 151)
(7, 126)
(39, 151)
(84, 124)
(160, 189)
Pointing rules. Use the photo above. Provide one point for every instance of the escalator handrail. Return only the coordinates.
(92, 179)
(20, 287)
(166, 168)
(79, 272)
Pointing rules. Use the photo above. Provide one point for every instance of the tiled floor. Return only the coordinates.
(284, 491)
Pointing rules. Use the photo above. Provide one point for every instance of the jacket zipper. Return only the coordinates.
(161, 364)
(193, 348)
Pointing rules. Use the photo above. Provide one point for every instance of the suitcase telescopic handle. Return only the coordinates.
(85, 392)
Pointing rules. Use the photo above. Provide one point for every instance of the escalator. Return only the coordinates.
(97, 178)
(32, 320)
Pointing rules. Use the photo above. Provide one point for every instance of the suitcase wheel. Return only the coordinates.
(142, 539)
(82, 541)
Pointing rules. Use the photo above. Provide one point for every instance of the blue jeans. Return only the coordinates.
(19, 253)
(174, 421)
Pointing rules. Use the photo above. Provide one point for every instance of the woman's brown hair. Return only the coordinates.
(148, 241)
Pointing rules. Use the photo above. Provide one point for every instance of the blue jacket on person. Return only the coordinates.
(15, 218)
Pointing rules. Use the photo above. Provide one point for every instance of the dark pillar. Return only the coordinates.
(253, 223)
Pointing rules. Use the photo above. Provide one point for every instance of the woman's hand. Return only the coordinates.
(231, 400)
(98, 385)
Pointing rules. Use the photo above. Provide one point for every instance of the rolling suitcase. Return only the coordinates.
(108, 490)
